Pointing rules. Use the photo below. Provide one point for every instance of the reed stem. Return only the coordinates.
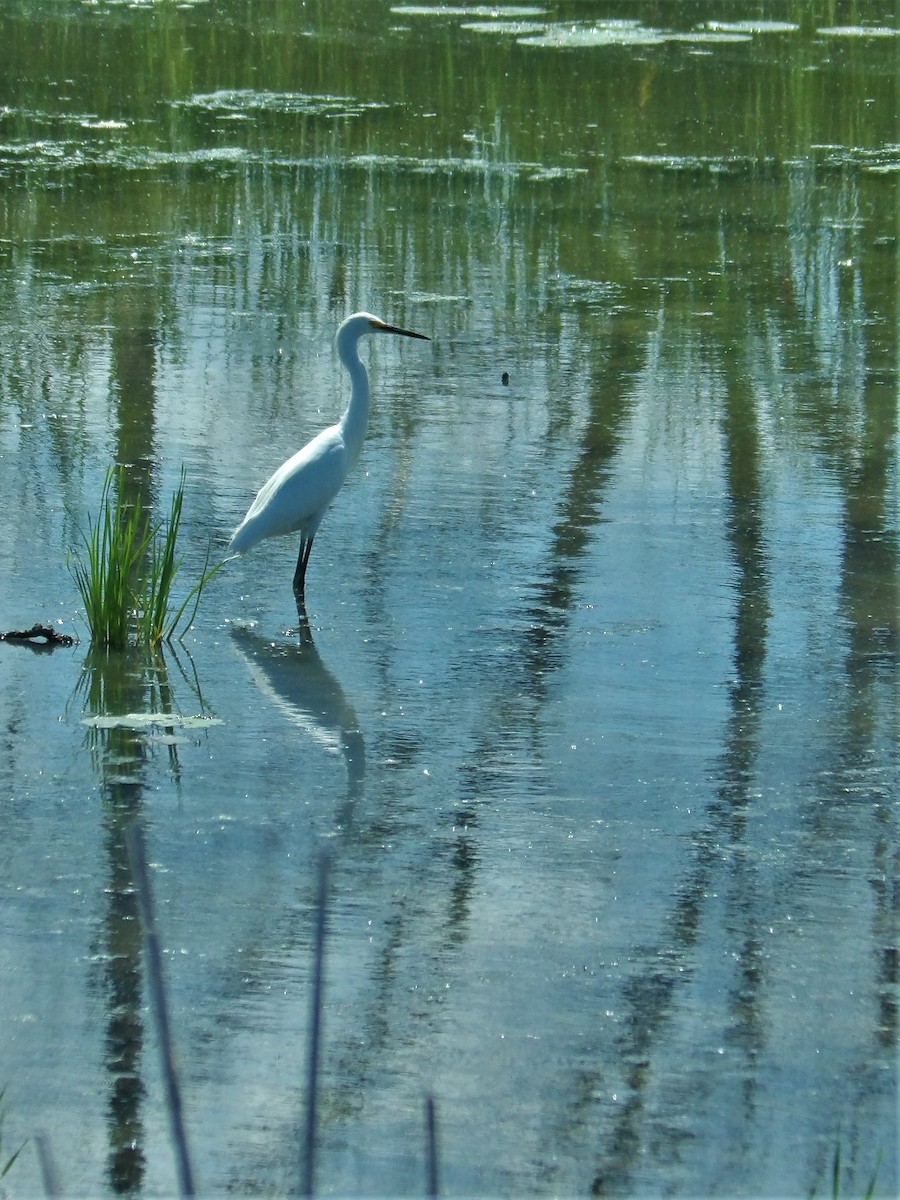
(134, 840)
(431, 1149)
(307, 1185)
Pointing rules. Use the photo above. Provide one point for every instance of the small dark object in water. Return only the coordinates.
(504, 378)
(45, 633)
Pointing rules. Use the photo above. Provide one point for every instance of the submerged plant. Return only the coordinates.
(6, 1163)
(838, 1180)
(127, 571)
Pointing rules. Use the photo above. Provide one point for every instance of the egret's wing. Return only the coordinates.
(298, 493)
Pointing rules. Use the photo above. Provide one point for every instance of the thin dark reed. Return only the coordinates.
(134, 840)
(307, 1185)
(431, 1148)
(49, 1174)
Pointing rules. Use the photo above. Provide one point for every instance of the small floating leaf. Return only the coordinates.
(249, 100)
(605, 33)
(858, 31)
(752, 26)
(475, 10)
(148, 720)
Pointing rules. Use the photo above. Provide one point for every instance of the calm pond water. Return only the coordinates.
(598, 717)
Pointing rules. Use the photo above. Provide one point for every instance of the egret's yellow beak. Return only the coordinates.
(383, 327)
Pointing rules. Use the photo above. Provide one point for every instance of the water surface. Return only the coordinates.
(598, 711)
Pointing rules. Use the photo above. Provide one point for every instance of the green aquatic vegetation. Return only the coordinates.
(838, 1176)
(127, 569)
(113, 547)
(6, 1163)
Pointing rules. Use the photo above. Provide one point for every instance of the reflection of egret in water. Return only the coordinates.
(293, 676)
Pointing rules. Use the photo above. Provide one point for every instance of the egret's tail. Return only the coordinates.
(251, 532)
(241, 540)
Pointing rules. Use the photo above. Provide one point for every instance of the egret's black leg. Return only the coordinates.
(300, 572)
(303, 630)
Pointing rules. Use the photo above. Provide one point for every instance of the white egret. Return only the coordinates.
(296, 497)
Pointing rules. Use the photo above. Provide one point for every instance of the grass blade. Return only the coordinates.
(49, 1173)
(6, 1164)
(194, 594)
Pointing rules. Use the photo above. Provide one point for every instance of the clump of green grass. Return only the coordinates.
(127, 571)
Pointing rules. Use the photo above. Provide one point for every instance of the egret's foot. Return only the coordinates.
(303, 630)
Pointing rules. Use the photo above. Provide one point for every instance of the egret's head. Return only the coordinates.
(362, 323)
(383, 327)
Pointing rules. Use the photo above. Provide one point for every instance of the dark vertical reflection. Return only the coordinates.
(870, 589)
(853, 422)
(134, 345)
(579, 505)
(512, 718)
(870, 606)
(115, 687)
(746, 539)
(464, 860)
(870, 581)
(748, 545)
(666, 968)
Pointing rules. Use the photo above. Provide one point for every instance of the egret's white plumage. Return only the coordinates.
(295, 498)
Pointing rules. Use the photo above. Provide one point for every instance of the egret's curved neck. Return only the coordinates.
(356, 417)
